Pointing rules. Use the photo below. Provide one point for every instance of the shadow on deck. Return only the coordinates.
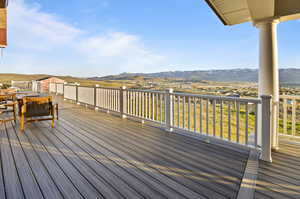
(97, 155)
(281, 179)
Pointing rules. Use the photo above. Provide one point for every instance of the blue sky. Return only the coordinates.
(102, 37)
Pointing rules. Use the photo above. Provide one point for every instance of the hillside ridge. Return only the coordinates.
(289, 75)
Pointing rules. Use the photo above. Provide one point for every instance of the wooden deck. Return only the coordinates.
(96, 155)
(281, 179)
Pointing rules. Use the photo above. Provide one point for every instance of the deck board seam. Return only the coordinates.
(61, 169)
(149, 127)
(95, 160)
(44, 167)
(61, 166)
(149, 137)
(99, 162)
(154, 140)
(134, 176)
(154, 125)
(279, 185)
(145, 183)
(14, 161)
(69, 161)
(2, 171)
(110, 128)
(34, 176)
(84, 163)
(136, 146)
(168, 177)
(94, 135)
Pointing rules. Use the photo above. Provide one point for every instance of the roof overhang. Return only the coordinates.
(3, 23)
(233, 12)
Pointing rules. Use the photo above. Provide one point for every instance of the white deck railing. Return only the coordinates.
(107, 98)
(231, 119)
(289, 109)
(147, 105)
(86, 95)
(60, 89)
(70, 92)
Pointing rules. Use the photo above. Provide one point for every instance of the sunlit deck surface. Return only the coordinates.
(281, 179)
(96, 155)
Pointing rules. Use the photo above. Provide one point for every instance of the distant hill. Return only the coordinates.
(287, 76)
(7, 77)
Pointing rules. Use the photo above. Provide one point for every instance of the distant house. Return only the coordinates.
(21, 84)
(42, 84)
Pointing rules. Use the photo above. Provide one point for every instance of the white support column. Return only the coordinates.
(268, 83)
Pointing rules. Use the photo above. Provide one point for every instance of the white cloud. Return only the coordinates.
(42, 42)
(30, 28)
(121, 51)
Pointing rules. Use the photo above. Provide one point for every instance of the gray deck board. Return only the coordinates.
(78, 179)
(27, 177)
(12, 184)
(105, 179)
(62, 181)
(2, 187)
(116, 166)
(84, 169)
(45, 180)
(97, 155)
(148, 153)
(139, 163)
(148, 185)
(281, 179)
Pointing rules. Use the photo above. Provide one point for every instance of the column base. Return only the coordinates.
(274, 149)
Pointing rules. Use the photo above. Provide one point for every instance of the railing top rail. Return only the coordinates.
(213, 97)
(223, 98)
(291, 97)
(80, 86)
(86, 87)
(146, 91)
(108, 88)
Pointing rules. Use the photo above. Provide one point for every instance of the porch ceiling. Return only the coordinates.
(3, 3)
(233, 12)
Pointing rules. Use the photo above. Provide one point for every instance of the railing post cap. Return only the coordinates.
(266, 96)
(170, 90)
(123, 87)
(97, 85)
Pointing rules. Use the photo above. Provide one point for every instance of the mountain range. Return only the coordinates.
(286, 76)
